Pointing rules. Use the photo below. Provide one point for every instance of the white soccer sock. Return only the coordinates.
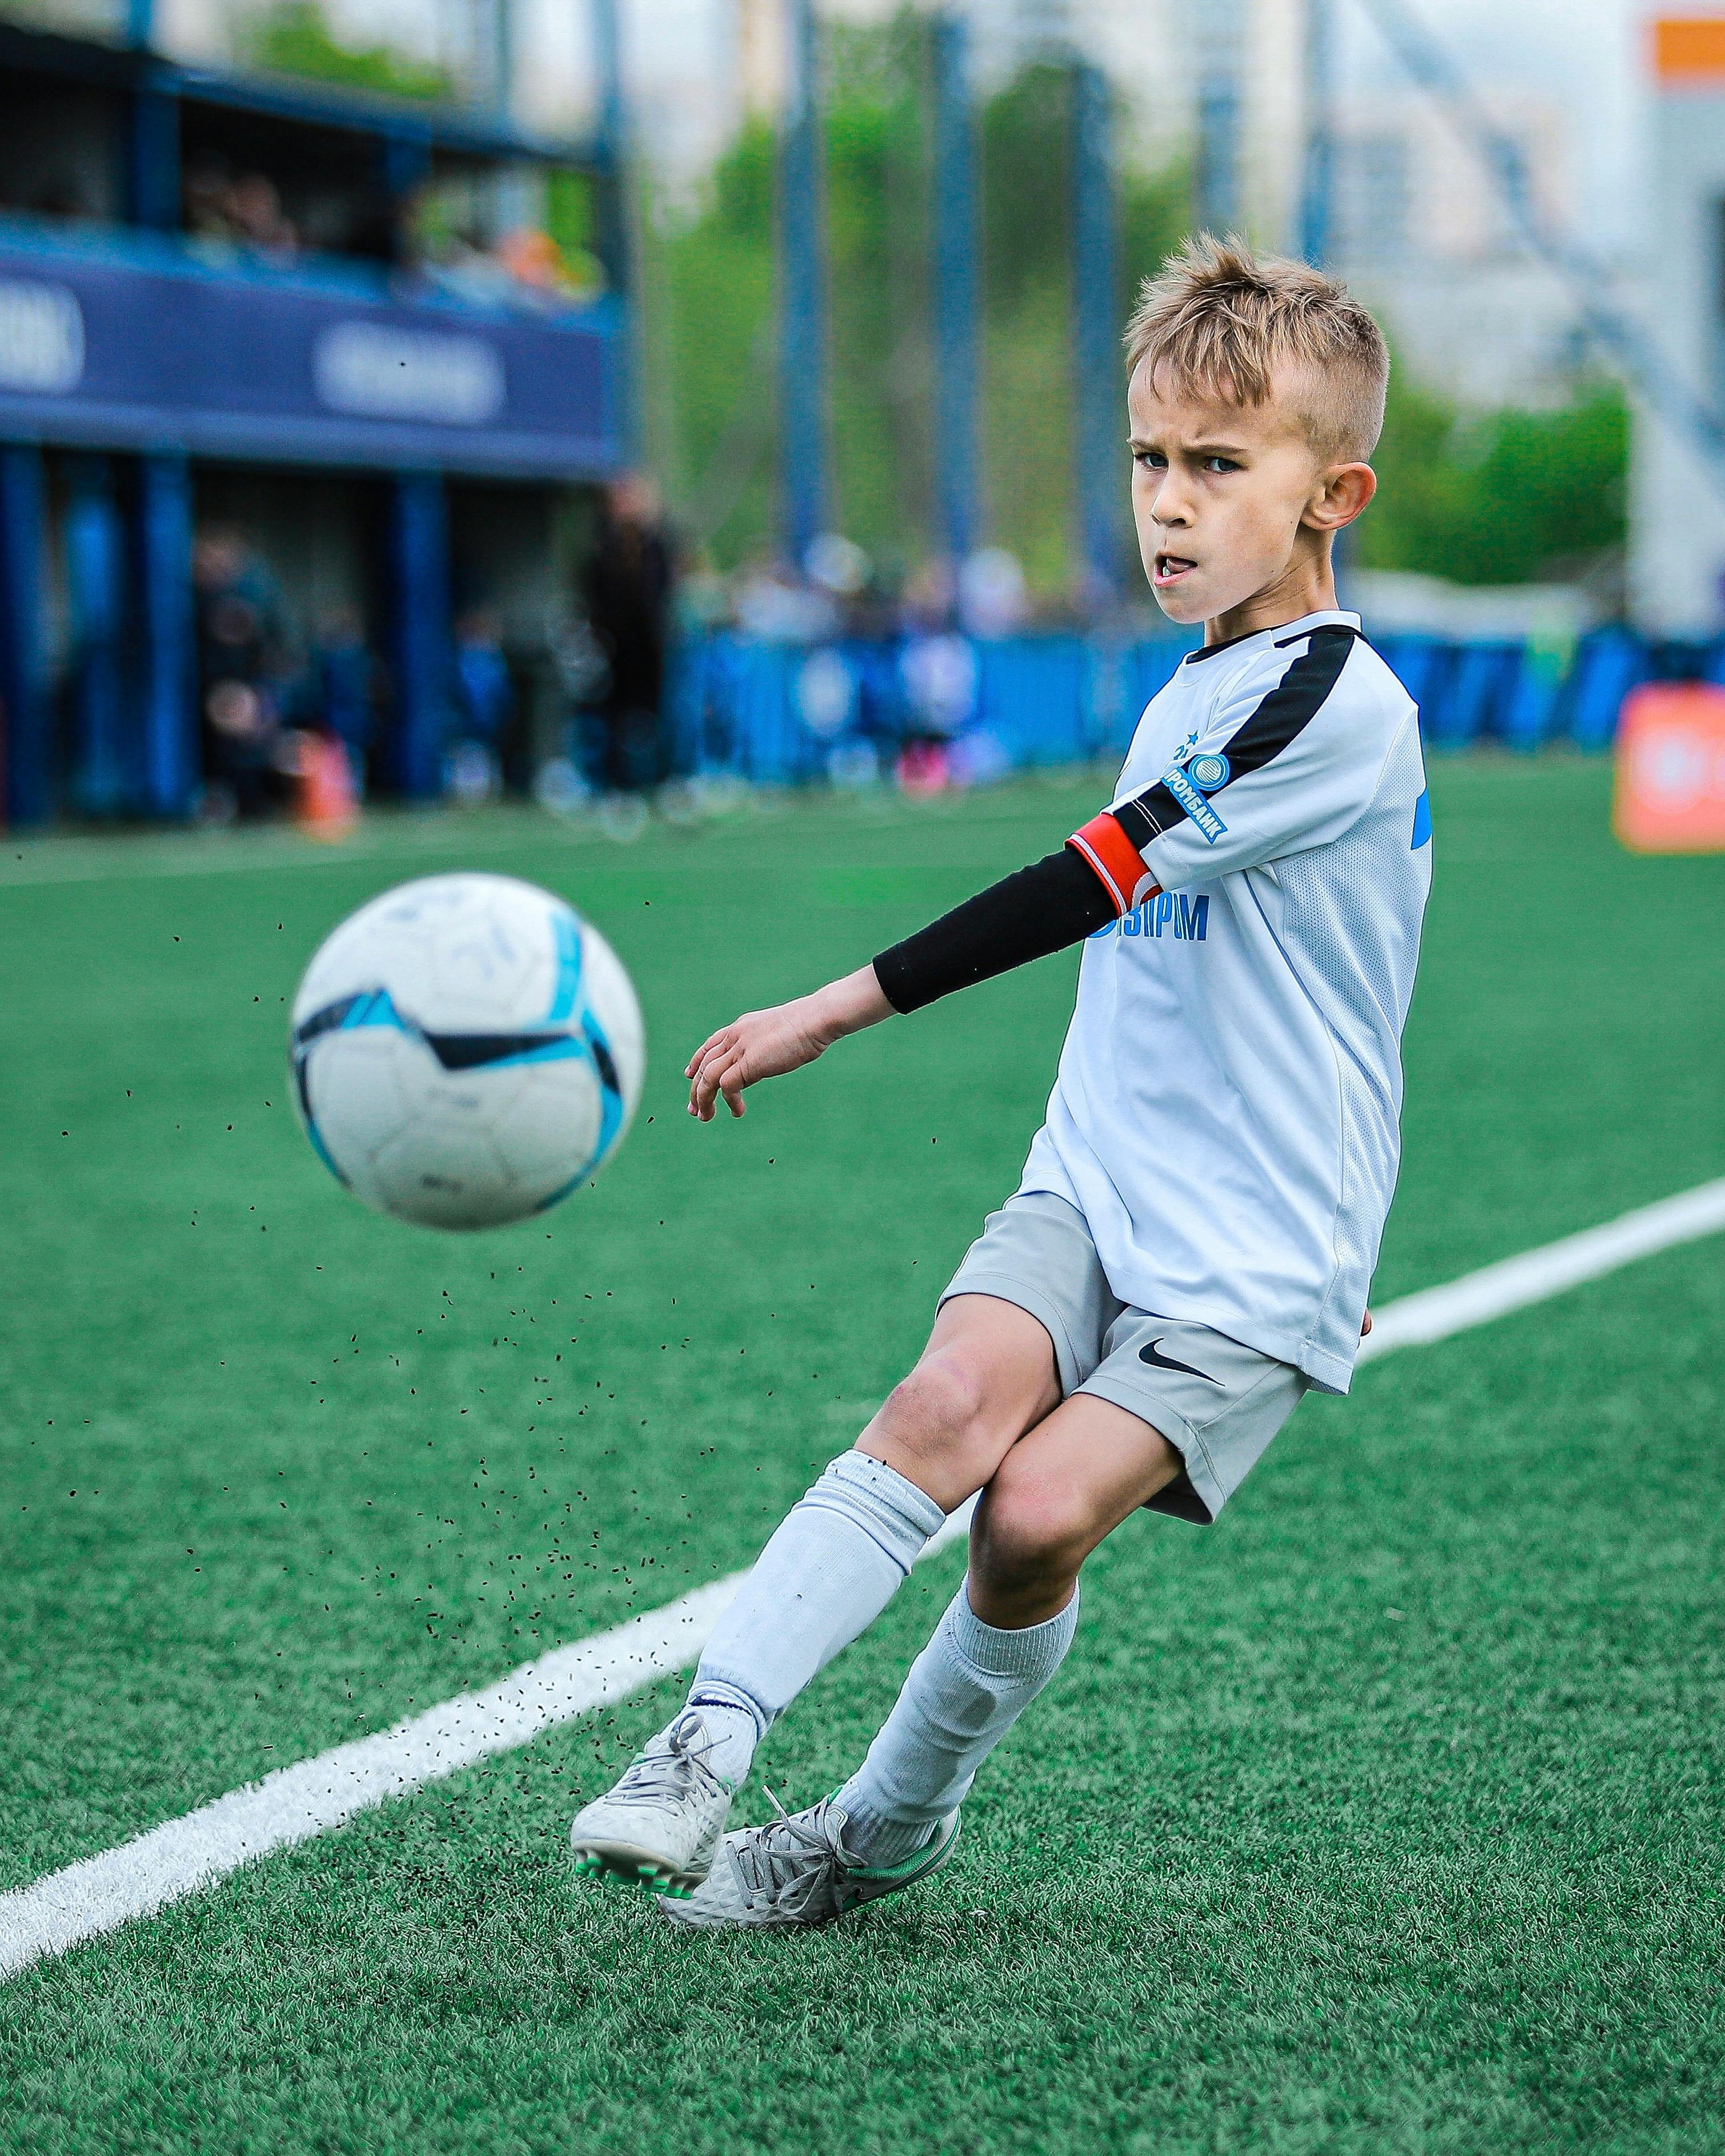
(835, 1563)
(965, 1691)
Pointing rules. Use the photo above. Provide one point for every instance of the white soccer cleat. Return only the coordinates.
(795, 1871)
(659, 1828)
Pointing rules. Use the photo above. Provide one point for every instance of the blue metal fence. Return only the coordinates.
(770, 714)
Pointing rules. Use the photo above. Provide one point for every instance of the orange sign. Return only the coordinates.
(1671, 769)
(1689, 48)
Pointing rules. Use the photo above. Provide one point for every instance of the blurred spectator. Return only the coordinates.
(345, 688)
(776, 605)
(205, 192)
(232, 215)
(991, 593)
(239, 651)
(932, 598)
(839, 566)
(536, 262)
(459, 262)
(441, 239)
(937, 673)
(484, 705)
(628, 588)
(255, 206)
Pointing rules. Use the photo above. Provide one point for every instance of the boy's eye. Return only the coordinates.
(1220, 464)
(1150, 459)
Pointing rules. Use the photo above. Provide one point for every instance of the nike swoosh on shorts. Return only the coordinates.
(1153, 1354)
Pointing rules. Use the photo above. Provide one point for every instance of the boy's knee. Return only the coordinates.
(937, 1407)
(1031, 1531)
(935, 1428)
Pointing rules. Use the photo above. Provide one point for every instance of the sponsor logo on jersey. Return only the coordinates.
(1168, 913)
(1209, 771)
(1202, 816)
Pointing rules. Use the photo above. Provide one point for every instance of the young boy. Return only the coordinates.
(1191, 1244)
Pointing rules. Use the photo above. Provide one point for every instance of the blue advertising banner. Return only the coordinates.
(123, 340)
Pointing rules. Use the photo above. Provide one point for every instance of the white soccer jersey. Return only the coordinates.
(1226, 1115)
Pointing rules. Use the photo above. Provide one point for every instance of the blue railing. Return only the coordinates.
(786, 714)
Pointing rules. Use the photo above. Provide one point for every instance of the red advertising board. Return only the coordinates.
(1671, 769)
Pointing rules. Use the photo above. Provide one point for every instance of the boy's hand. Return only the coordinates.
(766, 1043)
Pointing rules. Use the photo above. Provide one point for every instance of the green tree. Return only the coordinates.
(295, 37)
(709, 297)
(1506, 497)
(708, 307)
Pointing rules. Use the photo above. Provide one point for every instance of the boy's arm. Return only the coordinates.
(766, 1043)
(1272, 783)
(1050, 905)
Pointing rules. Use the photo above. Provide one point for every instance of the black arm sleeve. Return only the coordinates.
(1054, 903)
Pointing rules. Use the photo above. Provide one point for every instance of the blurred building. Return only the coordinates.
(1422, 231)
(1677, 490)
(340, 328)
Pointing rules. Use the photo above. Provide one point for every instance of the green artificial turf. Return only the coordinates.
(1384, 1816)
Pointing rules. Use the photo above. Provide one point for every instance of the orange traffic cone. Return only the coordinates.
(328, 806)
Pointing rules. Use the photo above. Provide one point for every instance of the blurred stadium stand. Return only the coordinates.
(309, 360)
(758, 711)
(217, 307)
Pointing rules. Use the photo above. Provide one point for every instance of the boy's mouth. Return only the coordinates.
(1170, 568)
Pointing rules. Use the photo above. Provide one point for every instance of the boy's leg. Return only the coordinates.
(987, 1375)
(1064, 1487)
(1077, 1475)
(840, 1554)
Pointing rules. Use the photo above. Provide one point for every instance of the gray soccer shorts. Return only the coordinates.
(1217, 1403)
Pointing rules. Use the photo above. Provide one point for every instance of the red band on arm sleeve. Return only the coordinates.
(1115, 859)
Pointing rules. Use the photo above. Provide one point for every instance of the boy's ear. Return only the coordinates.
(1342, 492)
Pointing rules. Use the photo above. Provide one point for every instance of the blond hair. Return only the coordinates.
(1223, 323)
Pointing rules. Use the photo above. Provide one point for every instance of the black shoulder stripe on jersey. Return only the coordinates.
(1327, 628)
(1289, 707)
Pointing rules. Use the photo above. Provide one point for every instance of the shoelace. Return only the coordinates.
(785, 1860)
(669, 1777)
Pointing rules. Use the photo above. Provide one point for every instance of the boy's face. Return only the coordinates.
(1233, 509)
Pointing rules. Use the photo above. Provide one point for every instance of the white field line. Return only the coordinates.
(184, 1856)
(1476, 1298)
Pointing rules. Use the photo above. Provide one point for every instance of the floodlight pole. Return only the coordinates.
(1216, 192)
(955, 287)
(805, 484)
(607, 31)
(1318, 177)
(1098, 384)
(500, 61)
(616, 232)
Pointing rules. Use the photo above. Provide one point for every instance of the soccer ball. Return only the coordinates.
(466, 1050)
